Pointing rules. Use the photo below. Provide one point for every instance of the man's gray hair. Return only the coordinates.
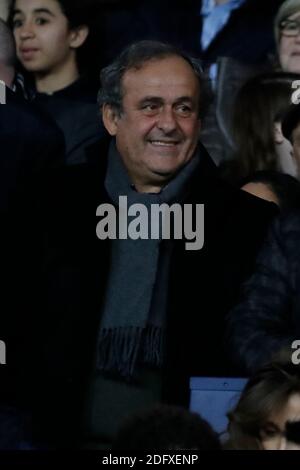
(134, 57)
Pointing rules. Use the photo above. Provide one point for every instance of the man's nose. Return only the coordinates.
(167, 120)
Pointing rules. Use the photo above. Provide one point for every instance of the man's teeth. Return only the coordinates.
(163, 143)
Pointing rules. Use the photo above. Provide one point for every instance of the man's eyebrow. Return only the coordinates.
(184, 98)
(155, 99)
(35, 11)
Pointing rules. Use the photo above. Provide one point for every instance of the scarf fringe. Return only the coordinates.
(120, 348)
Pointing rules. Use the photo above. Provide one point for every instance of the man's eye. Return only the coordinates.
(150, 108)
(184, 109)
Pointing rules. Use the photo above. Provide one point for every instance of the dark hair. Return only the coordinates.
(77, 12)
(134, 56)
(261, 102)
(266, 392)
(166, 428)
(285, 187)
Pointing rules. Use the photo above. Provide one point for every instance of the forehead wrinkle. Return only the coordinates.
(159, 91)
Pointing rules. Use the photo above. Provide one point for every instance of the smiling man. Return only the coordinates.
(158, 127)
(131, 319)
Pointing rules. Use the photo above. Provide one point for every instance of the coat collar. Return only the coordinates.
(204, 181)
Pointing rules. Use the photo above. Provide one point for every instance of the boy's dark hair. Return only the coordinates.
(166, 428)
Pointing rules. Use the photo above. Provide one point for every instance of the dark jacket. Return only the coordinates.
(267, 318)
(69, 286)
(31, 145)
(75, 111)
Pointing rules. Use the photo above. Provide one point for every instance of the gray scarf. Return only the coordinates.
(132, 327)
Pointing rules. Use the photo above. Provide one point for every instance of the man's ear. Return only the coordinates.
(110, 119)
(78, 36)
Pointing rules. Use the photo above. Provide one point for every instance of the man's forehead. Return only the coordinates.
(161, 74)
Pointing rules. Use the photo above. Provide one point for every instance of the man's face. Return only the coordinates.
(289, 50)
(296, 146)
(158, 129)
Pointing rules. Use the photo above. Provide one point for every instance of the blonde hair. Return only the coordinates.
(288, 8)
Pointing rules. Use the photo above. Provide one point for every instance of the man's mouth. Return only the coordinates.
(164, 143)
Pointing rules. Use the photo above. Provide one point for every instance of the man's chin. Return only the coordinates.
(163, 175)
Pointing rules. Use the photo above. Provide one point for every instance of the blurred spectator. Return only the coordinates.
(267, 318)
(273, 186)
(30, 141)
(287, 33)
(291, 131)
(237, 44)
(259, 143)
(31, 144)
(166, 428)
(240, 29)
(267, 415)
(49, 37)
